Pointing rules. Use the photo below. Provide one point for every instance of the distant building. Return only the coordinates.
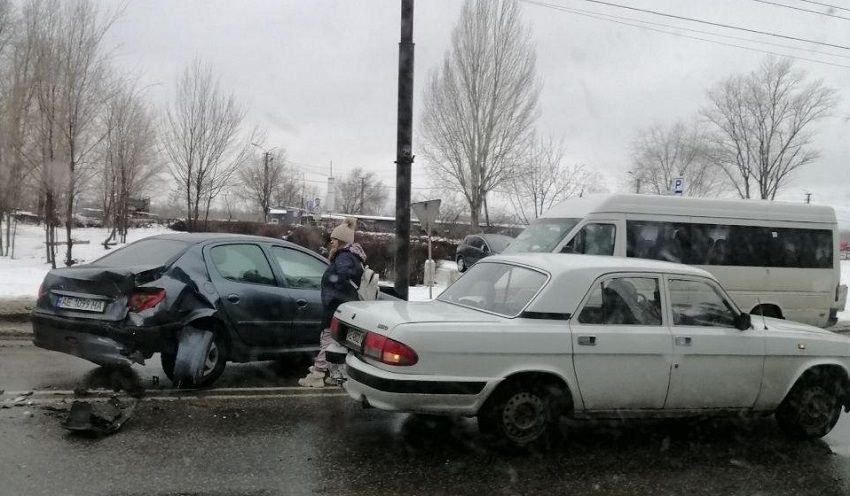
(285, 215)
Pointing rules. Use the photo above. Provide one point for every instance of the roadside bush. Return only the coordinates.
(379, 247)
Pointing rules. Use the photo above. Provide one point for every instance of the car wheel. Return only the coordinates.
(522, 415)
(811, 409)
(166, 359)
(189, 370)
(461, 265)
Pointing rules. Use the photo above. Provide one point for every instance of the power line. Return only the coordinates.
(802, 9)
(602, 17)
(825, 5)
(717, 24)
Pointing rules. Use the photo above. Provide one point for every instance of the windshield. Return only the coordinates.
(543, 235)
(144, 252)
(496, 287)
(497, 242)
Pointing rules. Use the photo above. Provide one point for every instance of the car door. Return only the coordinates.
(301, 274)
(715, 365)
(622, 345)
(256, 306)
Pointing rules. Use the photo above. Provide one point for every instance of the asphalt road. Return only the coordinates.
(257, 433)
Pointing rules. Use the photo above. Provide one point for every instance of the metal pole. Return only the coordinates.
(433, 273)
(404, 150)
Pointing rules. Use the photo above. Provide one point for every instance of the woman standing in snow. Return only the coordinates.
(339, 285)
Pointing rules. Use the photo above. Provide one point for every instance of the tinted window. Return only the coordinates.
(543, 235)
(299, 269)
(144, 252)
(495, 287)
(242, 263)
(624, 301)
(696, 303)
(593, 239)
(476, 242)
(717, 244)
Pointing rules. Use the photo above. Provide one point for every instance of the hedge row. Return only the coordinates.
(379, 247)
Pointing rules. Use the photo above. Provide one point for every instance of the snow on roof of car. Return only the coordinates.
(572, 275)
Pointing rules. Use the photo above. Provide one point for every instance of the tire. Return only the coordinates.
(213, 368)
(461, 265)
(166, 359)
(522, 415)
(811, 408)
(214, 364)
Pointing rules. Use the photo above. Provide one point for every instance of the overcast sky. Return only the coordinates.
(320, 75)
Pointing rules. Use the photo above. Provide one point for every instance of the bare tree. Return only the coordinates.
(202, 140)
(15, 103)
(543, 181)
(481, 105)
(661, 154)
(360, 192)
(129, 162)
(70, 69)
(763, 123)
(261, 179)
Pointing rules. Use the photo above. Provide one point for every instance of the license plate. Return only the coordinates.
(81, 304)
(355, 338)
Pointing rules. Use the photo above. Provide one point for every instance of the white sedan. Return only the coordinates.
(520, 340)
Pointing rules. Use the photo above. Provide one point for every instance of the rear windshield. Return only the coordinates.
(143, 252)
(542, 235)
(496, 287)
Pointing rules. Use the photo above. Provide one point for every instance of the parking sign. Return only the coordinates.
(678, 186)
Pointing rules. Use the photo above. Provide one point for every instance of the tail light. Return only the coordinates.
(335, 329)
(143, 299)
(388, 350)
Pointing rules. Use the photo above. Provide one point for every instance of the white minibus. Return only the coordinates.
(775, 258)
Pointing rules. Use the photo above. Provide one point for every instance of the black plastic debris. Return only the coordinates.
(98, 419)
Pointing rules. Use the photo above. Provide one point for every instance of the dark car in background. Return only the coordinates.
(477, 246)
(199, 300)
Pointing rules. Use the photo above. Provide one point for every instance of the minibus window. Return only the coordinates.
(542, 235)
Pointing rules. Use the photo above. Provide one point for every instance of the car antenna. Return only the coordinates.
(761, 311)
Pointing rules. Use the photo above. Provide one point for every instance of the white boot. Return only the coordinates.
(315, 379)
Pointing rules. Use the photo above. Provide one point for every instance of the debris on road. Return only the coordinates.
(98, 419)
(20, 400)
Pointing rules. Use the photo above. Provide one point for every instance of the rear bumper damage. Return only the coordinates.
(103, 343)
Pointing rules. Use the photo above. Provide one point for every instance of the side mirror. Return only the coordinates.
(743, 321)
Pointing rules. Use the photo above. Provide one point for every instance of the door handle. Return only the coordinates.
(683, 340)
(233, 298)
(301, 303)
(587, 340)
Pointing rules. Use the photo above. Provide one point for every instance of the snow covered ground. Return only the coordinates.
(21, 276)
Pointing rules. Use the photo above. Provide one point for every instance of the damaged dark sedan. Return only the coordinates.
(199, 300)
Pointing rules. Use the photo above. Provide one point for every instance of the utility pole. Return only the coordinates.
(404, 151)
(808, 198)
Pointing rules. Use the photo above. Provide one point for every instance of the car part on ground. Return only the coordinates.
(99, 419)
